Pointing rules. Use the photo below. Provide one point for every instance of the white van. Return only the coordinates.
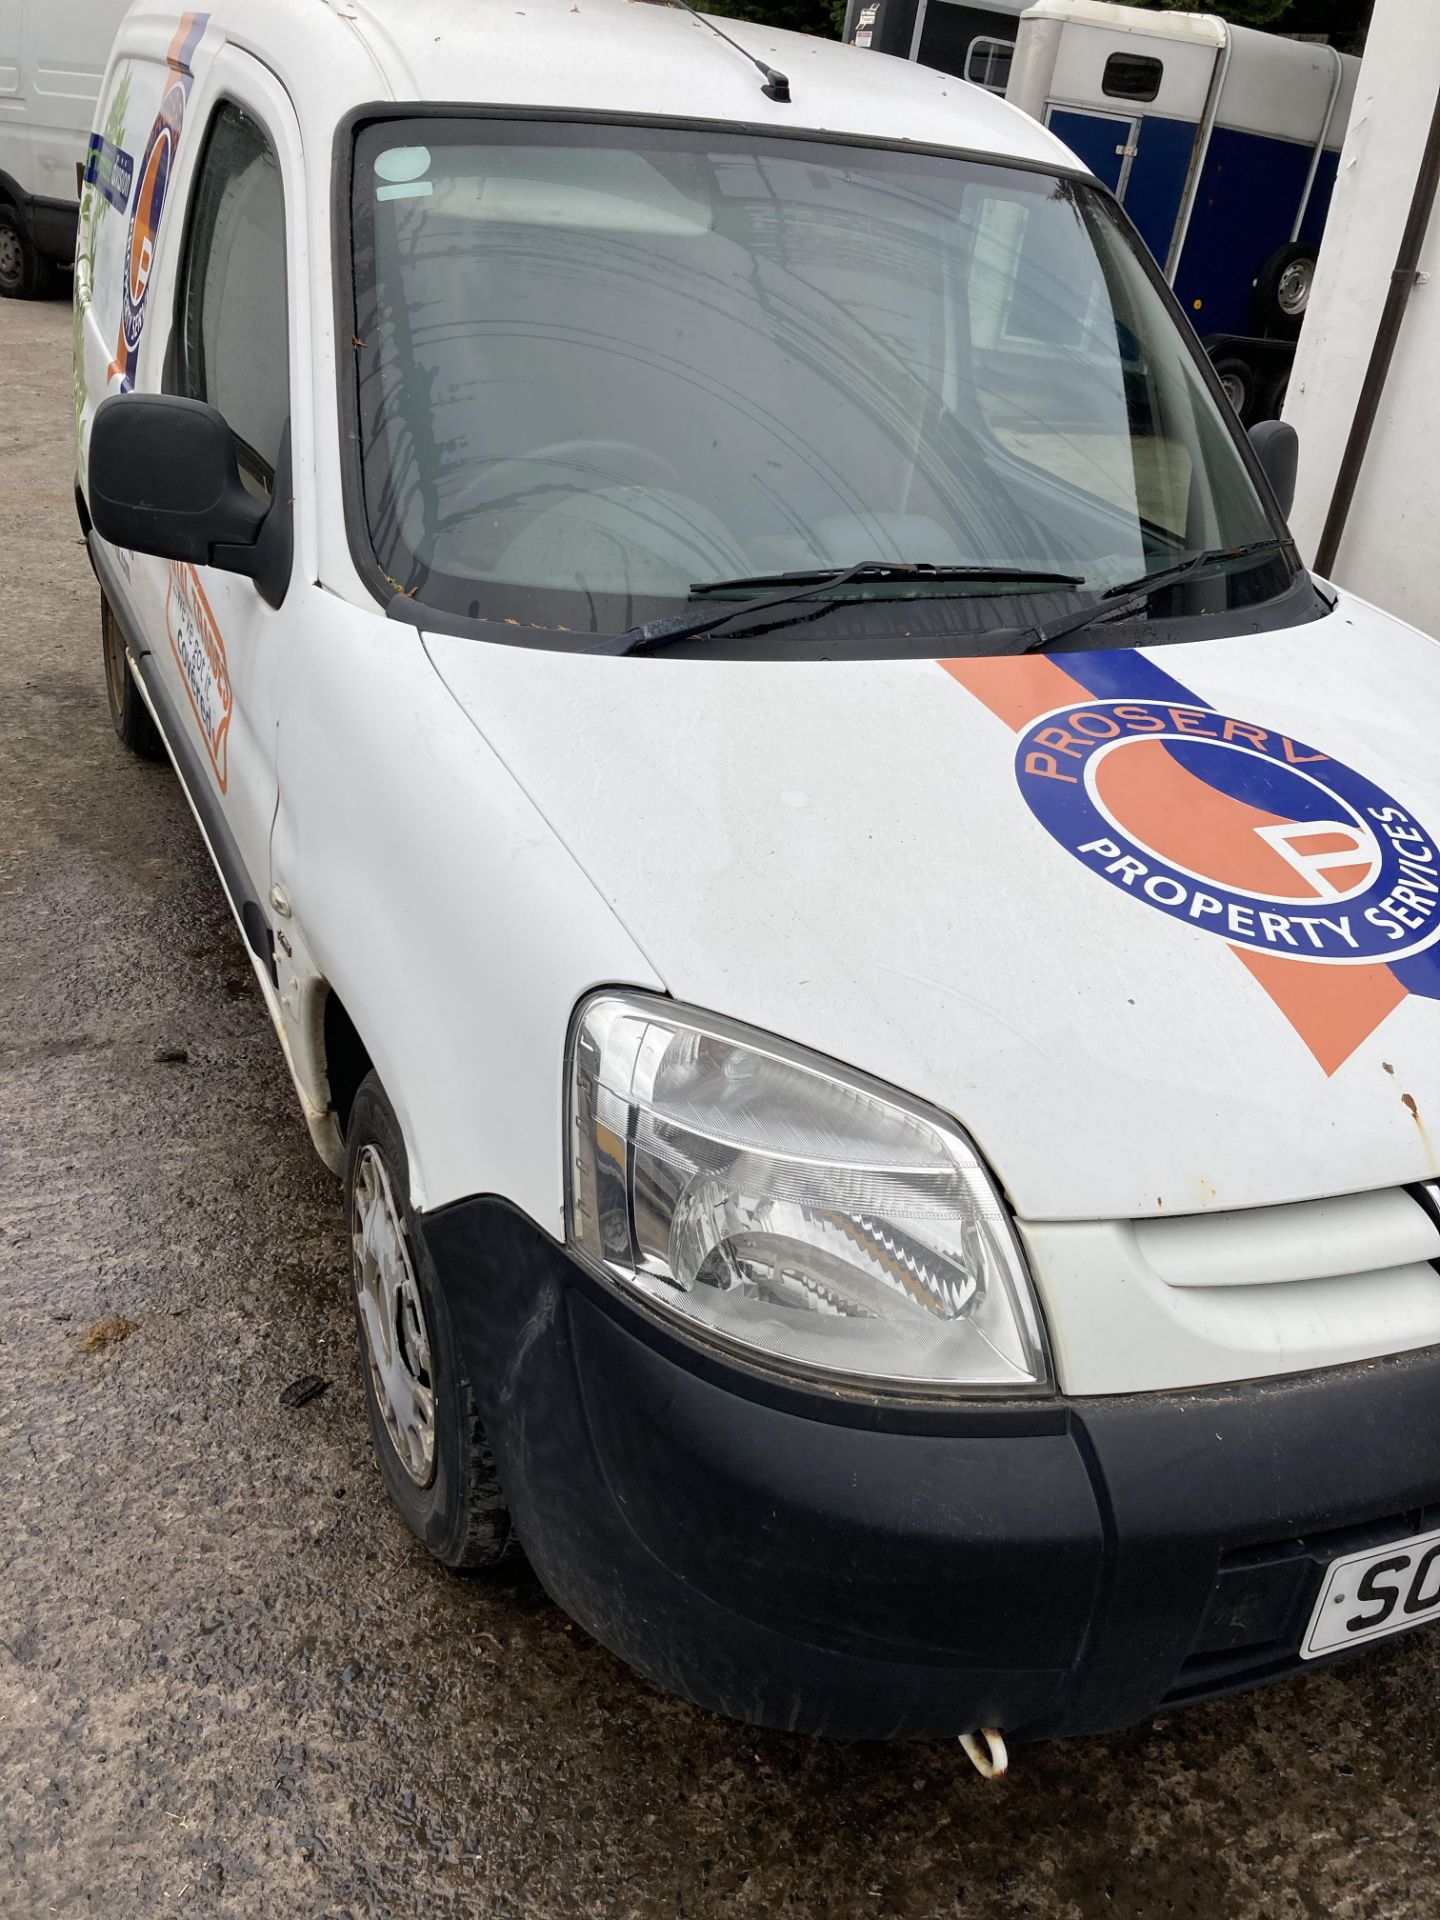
(864, 937)
(52, 59)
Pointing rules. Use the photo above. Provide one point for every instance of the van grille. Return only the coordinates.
(1356, 1233)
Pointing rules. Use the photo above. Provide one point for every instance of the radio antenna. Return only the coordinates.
(776, 86)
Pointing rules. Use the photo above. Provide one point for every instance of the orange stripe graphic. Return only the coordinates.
(1332, 1009)
(174, 56)
(1018, 691)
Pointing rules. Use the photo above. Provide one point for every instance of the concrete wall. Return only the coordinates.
(1391, 550)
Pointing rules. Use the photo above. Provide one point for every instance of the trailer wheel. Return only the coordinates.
(1237, 377)
(1282, 290)
(25, 272)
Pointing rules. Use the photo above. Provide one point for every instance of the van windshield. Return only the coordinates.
(599, 366)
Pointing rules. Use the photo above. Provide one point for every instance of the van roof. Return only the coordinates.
(631, 57)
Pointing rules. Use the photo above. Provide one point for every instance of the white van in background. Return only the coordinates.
(52, 60)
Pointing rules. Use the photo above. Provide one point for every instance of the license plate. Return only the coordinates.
(1368, 1595)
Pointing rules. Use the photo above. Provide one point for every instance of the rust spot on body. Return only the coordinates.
(1407, 1100)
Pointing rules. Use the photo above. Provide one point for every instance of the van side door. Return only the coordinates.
(225, 284)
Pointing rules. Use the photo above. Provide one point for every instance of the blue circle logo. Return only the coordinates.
(1235, 828)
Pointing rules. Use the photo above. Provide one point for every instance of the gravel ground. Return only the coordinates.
(229, 1682)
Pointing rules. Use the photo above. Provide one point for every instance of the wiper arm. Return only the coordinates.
(1133, 596)
(901, 570)
(652, 636)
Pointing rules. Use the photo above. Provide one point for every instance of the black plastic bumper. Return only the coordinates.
(865, 1568)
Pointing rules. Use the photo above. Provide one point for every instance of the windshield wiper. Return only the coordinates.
(901, 570)
(1133, 596)
(654, 635)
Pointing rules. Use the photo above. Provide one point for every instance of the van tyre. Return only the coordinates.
(1282, 290)
(429, 1443)
(25, 272)
(129, 714)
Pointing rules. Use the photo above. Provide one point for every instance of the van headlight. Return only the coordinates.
(780, 1205)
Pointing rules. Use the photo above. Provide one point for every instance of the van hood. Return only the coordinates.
(1157, 927)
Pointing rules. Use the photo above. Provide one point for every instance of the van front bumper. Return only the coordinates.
(870, 1568)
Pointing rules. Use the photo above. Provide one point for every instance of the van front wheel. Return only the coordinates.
(429, 1444)
(25, 272)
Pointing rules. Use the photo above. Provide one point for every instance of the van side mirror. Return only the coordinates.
(164, 479)
(1277, 448)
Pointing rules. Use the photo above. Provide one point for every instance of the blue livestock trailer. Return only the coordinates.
(1221, 142)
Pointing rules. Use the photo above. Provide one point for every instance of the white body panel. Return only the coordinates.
(469, 836)
(1110, 1062)
(454, 923)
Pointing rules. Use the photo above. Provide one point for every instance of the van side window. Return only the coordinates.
(231, 334)
(1132, 76)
